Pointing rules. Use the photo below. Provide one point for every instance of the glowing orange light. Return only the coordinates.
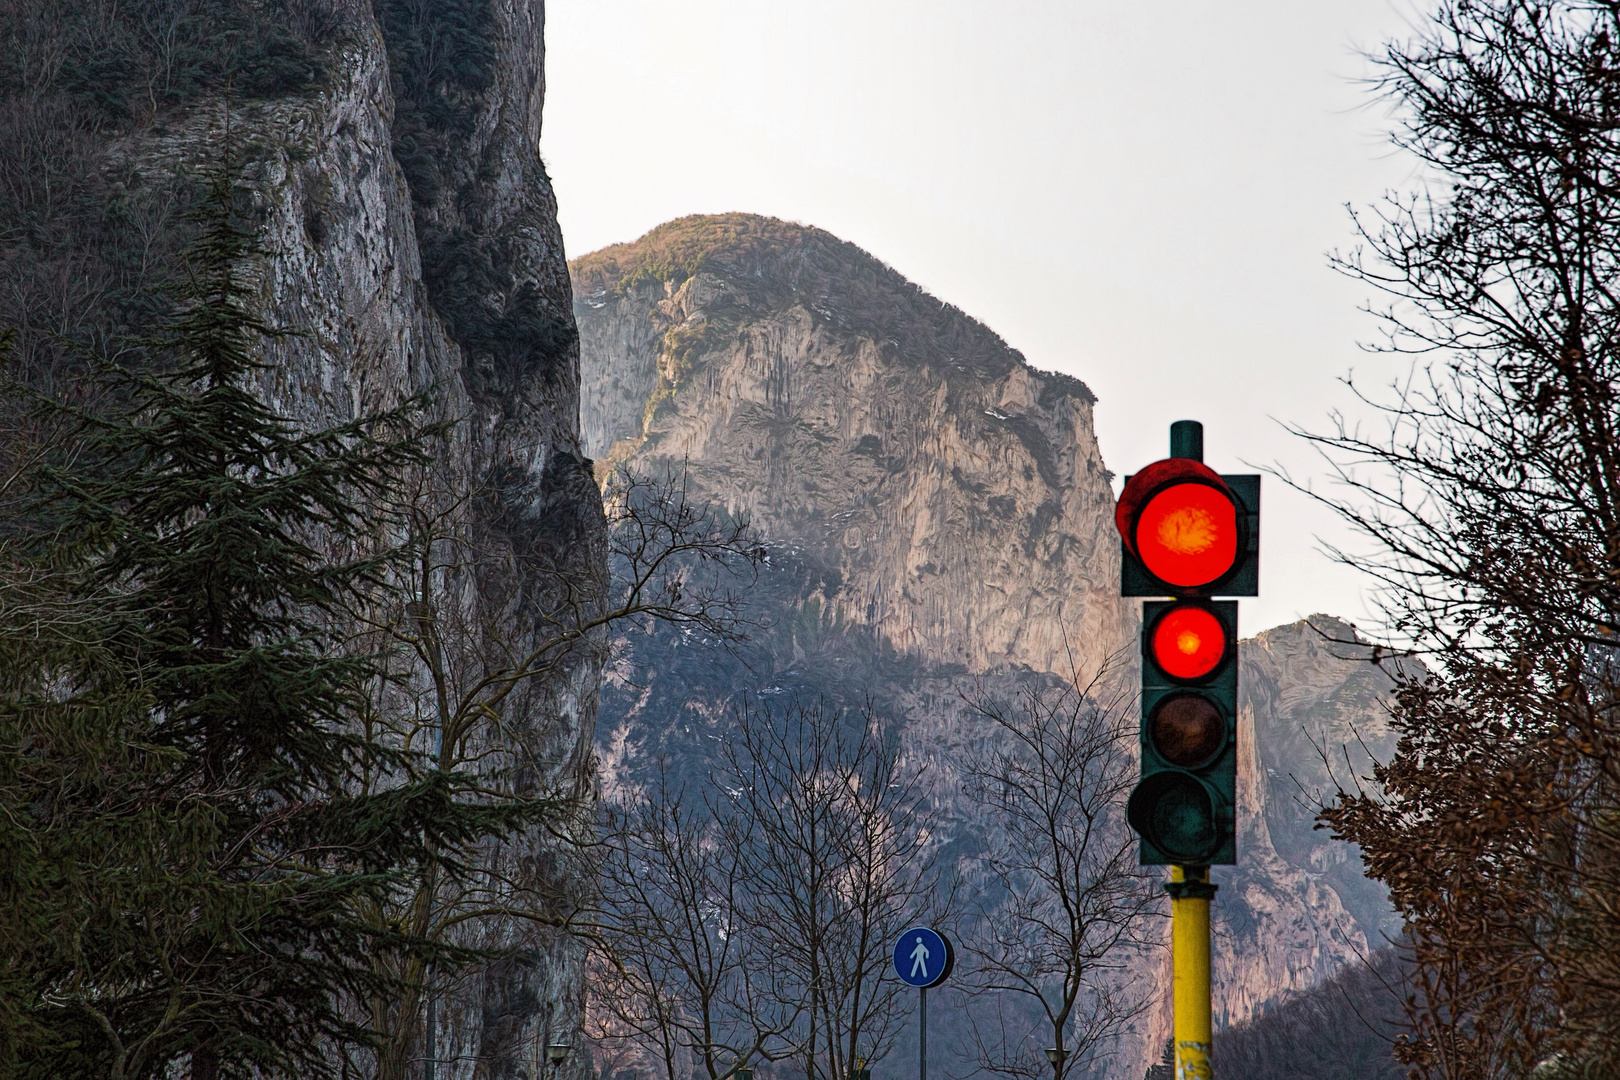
(1187, 534)
(1188, 642)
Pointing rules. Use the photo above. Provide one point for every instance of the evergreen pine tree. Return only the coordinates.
(193, 728)
(89, 835)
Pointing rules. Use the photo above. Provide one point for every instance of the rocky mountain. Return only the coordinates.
(958, 492)
(939, 525)
(388, 151)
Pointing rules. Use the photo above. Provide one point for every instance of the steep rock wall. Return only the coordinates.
(413, 250)
(1296, 908)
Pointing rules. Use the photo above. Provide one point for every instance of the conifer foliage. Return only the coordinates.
(185, 855)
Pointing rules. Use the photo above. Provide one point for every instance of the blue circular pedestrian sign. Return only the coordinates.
(923, 958)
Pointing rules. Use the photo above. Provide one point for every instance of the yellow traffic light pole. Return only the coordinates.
(1190, 894)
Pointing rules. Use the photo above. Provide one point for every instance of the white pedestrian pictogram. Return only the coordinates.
(919, 960)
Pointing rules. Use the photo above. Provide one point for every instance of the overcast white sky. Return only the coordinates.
(1141, 197)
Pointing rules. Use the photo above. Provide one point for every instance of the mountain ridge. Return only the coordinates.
(940, 521)
(790, 259)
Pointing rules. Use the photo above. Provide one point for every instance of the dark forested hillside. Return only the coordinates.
(1341, 1029)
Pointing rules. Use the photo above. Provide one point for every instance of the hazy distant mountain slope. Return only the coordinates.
(1296, 908)
(1318, 713)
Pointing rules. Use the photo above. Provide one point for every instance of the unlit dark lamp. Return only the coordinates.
(1187, 730)
(1175, 812)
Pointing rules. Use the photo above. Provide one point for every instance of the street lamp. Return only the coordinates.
(556, 1054)
(1056, 1055)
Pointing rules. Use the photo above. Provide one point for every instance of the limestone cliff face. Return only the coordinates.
(411, 250)
(958, 492)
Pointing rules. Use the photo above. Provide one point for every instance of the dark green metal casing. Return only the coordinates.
(1215, 779)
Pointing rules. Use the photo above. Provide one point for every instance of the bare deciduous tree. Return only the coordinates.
(683, 972)
(1491, 507)
(831, 820)
(478, 640)
(1064, 911)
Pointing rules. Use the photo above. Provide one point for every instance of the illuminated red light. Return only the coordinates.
(1187, 534)
(1188, 642)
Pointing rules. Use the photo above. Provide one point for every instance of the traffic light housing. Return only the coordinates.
(1189, 534)
(1184, 806)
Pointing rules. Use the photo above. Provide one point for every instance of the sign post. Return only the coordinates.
(923, 958)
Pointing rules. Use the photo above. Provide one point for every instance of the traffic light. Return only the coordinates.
(1188, 534)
